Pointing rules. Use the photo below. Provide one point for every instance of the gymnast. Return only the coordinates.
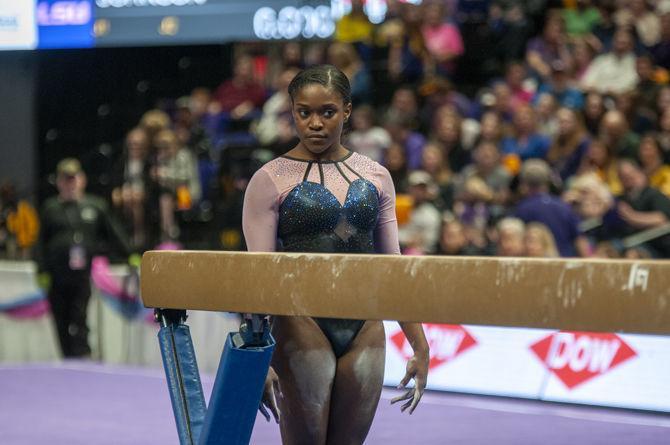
(326, 374)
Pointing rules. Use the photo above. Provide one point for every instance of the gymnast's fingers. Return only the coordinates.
(264, 411)
(418, 393)
(405, 380)
(402, 397)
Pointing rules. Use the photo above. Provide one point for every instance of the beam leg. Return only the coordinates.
(237, 391)
(181, 370)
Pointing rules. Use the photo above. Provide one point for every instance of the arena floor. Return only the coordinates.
(87, 403)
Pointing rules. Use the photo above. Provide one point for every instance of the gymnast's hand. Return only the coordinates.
(417, 369)
(269, 400)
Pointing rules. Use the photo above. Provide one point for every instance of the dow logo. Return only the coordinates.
(577, 357)
(446, 342)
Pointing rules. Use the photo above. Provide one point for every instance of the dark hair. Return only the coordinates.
(326, 75)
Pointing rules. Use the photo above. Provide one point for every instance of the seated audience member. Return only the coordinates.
(661, 51)
(453, 240)
(153, 122)
(401, 128)
(355, 27)
(472, 206)
(594, 110)
(277, 105)
(545, 108)
(549, 47)
(651, 160)
(643, 207)
(344, 56)
(176, 176)
(538, 205)
(442, 39)
(570, 144)
(491, 129)
(613, 72)
(130, 181)
(589, 196)
(395, 162)
(617, 136)
(601, 162)
(240, 95)
(560, 87)
(539, 241)
(525, 142)
(488, 167)
(190, 132)
(639, 15)
(447, 132)
(366, 137)
(433, 163)
(420, 235)
(510, 237)
(580, 20)
(663, 135)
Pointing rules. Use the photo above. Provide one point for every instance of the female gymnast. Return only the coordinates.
(321, 197)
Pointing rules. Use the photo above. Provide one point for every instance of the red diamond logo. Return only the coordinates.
(446, 342)
(577, 357)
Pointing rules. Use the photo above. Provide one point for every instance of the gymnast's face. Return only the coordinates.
(319, 114)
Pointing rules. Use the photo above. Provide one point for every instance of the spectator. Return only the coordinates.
(548, 48)
(487, 166)
(453, 240)
(651, 161)
(242, 94)
(582, 53)
(395, 161)
(613, 72)
(515, 78)
(540, 206)
(131, 179)
(602, 33)
(190, 132)
(600, 161)
(539, 241)
(510, 237)
(266, 130)
(569, 146)
(154, 121)
(589, 197)
(580, 20)
(74, 227)
(643, 207)
(433, 163)
(615, 133)
(355, 28)
(594, 110)
(661, 51)
(491, 129)
(367, 138)
(442, 39)
(19, 224)
(638, 15)
(525, 142)
(545, 108)
(559, 86)
(448, 133)
(344, 57)
(406, 50)
(176, 176)
(420, 234)
(401, 128)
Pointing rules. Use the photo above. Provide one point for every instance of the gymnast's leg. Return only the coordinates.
(357, 386)
(305, 364)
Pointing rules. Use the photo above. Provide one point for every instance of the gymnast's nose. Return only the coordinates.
(315, 122)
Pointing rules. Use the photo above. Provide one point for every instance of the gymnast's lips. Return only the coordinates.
(316, 136)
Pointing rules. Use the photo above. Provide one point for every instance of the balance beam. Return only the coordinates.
(569, 294)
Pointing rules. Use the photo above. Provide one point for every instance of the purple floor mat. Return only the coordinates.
(85, 403)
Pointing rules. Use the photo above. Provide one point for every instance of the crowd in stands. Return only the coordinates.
(561, 147)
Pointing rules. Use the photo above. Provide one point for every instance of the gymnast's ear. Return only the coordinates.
(347, 111)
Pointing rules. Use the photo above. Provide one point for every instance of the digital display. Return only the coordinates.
(30, 24)
(65, 24)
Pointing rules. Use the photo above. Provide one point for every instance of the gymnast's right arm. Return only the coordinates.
(259, 224)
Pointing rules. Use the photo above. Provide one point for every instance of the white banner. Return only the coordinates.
(18, 29)
(631, 371)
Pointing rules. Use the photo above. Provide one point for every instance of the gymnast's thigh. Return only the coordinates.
(305, 364)
(357, 386)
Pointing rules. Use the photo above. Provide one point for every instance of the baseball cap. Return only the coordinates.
(68, 167)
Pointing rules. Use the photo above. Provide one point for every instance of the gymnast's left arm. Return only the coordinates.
(386, 241)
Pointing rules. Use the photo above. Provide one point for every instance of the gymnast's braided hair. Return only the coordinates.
(326, 75)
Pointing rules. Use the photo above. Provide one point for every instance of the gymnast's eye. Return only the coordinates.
(329, 112)
(303, 113)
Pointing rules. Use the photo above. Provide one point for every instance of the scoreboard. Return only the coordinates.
(35, 24)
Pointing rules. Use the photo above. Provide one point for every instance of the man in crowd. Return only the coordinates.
(74, 227)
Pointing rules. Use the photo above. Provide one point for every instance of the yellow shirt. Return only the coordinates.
(660, 179)
(351, 29)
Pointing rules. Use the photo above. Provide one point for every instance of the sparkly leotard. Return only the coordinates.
(343, 206)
